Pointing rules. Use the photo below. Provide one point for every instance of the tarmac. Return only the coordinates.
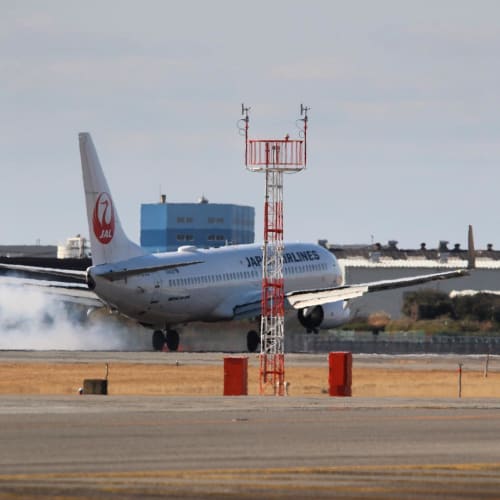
(411, 361)
(245, 447)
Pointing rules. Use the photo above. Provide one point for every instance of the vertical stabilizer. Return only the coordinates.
(108, 241)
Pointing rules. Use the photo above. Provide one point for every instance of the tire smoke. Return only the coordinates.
(33, 320)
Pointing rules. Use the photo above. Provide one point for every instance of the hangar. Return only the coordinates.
(363, 263)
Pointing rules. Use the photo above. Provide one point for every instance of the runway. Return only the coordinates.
(246, 447)
(411, 361)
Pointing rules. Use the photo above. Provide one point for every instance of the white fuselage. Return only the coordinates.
(209, 290)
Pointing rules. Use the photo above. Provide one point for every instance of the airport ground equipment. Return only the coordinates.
(274, 158)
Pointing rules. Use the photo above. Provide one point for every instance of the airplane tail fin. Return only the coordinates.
(109, 242)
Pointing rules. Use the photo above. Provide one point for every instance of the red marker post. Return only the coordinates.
(340, 373)
(459, 380)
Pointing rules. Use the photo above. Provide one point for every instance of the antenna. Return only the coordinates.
(242, 124)
(303, 127)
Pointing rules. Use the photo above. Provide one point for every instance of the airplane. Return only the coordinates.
(167, 290)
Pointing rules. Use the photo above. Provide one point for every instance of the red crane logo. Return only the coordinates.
(103, 218)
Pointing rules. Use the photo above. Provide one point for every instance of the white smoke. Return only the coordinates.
(32, 320)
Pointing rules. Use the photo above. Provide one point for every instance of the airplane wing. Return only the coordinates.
(249, 306)
(307, 298)
(470, 293)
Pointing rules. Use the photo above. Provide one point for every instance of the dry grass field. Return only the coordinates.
(208, 380)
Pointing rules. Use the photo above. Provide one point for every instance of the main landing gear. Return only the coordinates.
(170, 338)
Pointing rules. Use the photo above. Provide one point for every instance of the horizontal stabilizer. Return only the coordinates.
(75, 293)
(49, 271)
(127, 273)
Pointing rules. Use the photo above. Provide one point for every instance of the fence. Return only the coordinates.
(393, 343)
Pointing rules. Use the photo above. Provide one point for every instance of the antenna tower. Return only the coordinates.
(273, 157)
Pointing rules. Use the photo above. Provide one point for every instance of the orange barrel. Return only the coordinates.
(340, 373)
(236, 376)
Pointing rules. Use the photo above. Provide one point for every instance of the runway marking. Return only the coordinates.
(375, 481)
(486, 466)
(256, 419)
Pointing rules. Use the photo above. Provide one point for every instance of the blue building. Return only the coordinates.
(167, 226)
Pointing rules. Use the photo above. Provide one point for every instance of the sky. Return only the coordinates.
(404, 121)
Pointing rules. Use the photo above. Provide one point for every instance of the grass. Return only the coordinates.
(403, 380)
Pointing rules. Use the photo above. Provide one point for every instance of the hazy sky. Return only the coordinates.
(403, 130)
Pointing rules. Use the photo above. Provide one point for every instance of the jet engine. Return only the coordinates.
(324, 316)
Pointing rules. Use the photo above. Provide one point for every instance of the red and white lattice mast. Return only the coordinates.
(274, 157)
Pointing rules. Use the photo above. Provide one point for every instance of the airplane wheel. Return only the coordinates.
(253, 340)
(172, 340)
(158, 340)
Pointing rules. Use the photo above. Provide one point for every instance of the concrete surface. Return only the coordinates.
(246, 447)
